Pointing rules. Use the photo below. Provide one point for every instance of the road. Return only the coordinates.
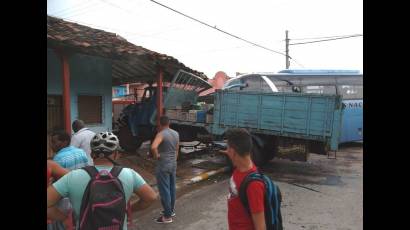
(201, 209)
(319, 194)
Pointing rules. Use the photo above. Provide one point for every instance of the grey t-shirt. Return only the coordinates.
(168, 147)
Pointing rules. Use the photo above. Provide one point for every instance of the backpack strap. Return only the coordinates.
(270, 193)
(278, 211)
(274, 200)
(253, 176)
(116, 170)
(91, 170)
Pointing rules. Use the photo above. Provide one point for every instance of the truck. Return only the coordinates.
(275, 120)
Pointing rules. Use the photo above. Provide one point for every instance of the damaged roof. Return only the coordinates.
(130, 63)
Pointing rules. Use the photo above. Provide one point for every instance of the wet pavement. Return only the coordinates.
(336, 203)
(189, 167)
(322, 193)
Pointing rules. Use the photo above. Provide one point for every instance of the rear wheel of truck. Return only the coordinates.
(263, 150)
(257, 154)
(270, 148)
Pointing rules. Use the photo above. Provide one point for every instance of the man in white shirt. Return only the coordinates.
(81, 138)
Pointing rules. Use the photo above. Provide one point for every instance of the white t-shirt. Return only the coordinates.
(82, 139)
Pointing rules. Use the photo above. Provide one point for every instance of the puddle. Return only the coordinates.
(333, 180)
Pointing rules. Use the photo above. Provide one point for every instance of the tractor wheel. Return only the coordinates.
(127, 141)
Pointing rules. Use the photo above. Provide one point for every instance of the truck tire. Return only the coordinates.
(127, 141)
(270, 148)
(257, 154)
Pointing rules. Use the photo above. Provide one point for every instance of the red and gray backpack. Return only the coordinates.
(103, 206)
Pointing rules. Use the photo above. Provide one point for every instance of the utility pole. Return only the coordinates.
(287, 50)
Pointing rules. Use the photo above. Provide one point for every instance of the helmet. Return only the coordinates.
(104, 142)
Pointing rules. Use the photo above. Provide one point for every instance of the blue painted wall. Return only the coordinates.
(89, 75)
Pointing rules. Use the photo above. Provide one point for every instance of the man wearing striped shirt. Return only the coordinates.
(67, 156)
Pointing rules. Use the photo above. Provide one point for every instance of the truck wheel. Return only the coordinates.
(270, 149)
(258, 156)
(127, 141)
(228, 163)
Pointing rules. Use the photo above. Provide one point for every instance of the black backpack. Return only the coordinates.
(273, 199)
(103, 206)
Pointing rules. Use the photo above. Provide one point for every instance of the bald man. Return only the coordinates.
(81, 138)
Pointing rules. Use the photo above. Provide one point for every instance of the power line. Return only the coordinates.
(83, 10)
(116, 6)
(215, 50)
(125, 33)
(76, 7)
(326, 40)
(324, 37)
(133, 13)
(80, 10)
(214, 27)
(299, 63)
(112, 30)
(129, 34)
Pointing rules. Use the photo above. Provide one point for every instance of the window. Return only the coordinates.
(231, 83)
(351, 80)
(90, 109)
(54, 112)
(317, 80)
(265, 86)
(285, 85)
(351, 91)
(350, 87)
(253, 83)
(320, 89)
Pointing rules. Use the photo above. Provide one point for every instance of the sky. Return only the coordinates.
(264, 22)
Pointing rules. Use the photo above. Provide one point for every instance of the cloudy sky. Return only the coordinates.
(263, 22)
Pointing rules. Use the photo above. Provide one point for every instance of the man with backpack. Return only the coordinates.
(254, 200)
(99, 193)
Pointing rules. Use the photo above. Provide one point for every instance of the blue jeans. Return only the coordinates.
(166, 178)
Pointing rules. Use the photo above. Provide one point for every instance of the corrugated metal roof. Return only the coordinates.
(131, 63)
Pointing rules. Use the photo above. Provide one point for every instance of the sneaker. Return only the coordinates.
(162, 220)
(162, 213)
